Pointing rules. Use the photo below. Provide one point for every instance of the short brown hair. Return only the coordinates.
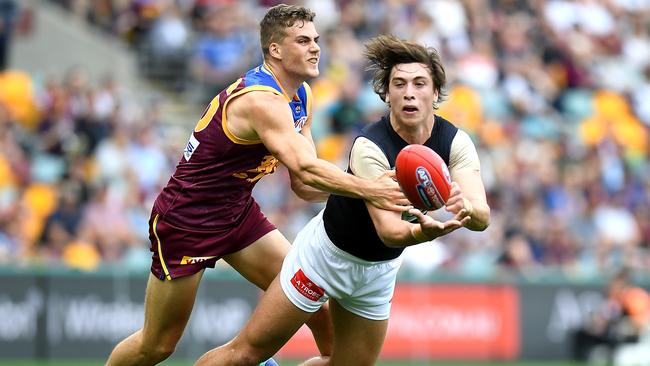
(386, 51)
(277, 19)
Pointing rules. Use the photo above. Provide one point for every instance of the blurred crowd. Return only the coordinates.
(554, 94)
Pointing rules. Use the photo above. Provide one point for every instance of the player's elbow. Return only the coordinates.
(482, 222)
(484, 225)
(307, 193)
(481, 226)
(302, 171)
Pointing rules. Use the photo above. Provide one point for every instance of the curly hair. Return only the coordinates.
(385, 51)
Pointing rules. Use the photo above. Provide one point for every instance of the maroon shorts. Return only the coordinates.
(179, 252)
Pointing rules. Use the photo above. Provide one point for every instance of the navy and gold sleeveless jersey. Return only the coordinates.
(213, 182)
(347, 221)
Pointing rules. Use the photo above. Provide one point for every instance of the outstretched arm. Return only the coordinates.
(467, 193)
(271, 120)
(467, 190)
(302, 190)
(395, 232)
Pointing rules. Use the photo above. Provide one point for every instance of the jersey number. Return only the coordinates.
(209, 112)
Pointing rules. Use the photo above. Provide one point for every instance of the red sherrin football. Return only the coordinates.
(423, 177)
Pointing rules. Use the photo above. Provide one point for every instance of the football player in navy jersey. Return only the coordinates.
(207, 211)
(351, 251)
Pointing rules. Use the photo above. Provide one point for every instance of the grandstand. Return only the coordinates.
(97, 96)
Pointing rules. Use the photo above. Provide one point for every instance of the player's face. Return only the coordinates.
(300, 50)
(411, 93)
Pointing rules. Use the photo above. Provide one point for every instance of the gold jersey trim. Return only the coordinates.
(268, 70)
(224, 121)
(160, 255)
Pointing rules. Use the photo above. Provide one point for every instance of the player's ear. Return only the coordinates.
(274, 50)
(386, 99)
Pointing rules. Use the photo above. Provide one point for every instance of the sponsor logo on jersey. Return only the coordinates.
(306, 287)
(426, 189)
(297, 109)
(267, 166)
(300, 123)
(190, 148)
(193, 260)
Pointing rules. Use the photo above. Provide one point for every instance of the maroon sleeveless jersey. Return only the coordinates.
(213, 182)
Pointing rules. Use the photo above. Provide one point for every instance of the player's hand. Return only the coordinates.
(432, 228)
(457, 201)
(385, 193)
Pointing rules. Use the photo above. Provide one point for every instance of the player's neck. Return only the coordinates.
(413, 133)
(288, 84)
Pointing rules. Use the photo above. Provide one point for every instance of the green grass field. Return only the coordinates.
(294, 363)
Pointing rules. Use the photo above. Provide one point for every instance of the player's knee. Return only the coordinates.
(245, 354)
(165, 350)
(159, 352)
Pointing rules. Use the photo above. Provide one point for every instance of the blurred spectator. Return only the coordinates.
(622, 318)
(166, 50)
(112, 157)
(518, 256)
(62, 226)
(152, 163)
(105, 224)
(223, 49)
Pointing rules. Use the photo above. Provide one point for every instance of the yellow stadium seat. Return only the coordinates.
(81, 255)
(17, 95)
(41, 199)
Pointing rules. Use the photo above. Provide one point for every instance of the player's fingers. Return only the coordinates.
(454, 205)
(451, 225)
(461, 214)
(417, 213)
(466, 220)
(400, 206)
(391, 184)
(390, 173)
(455, 224)
(403, 202)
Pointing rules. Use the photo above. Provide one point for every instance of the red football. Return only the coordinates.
(423, 177)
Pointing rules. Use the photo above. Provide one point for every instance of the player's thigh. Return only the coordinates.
(273, 322)
(357, 340)
(261, 261)
(168, 305)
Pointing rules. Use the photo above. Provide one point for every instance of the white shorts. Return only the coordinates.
(315, 270)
